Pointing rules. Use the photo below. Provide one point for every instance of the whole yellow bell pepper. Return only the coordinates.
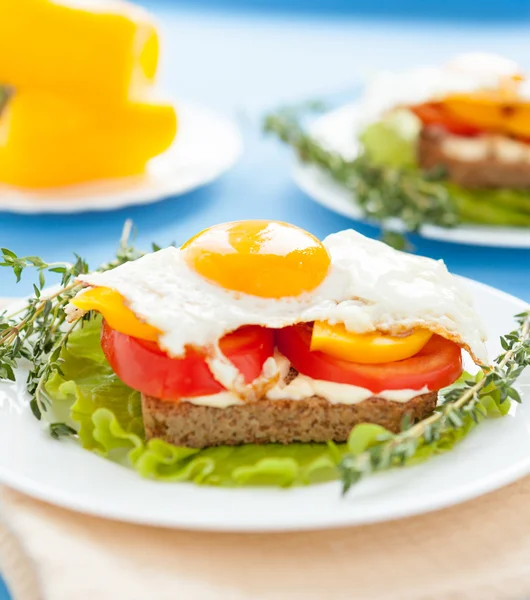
(104, 49)
(81, 75)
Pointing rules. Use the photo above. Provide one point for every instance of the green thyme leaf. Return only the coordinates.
(58, 430)
(39, 330)
(382, 192)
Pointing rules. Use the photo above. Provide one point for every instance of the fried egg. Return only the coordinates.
(467, 73)
(273, 274)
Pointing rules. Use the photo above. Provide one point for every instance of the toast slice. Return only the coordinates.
(266, 421)
(489, 171)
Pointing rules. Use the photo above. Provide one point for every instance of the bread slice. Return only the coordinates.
(487, 172)
(314, 419)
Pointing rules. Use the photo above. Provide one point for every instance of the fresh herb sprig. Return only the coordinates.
(383, 193)
(459, 404)
(38, 331)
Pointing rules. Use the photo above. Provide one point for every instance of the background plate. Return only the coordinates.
(207, 144)
(62, 473)
(337, 130)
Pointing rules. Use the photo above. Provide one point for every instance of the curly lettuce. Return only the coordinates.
(392, 142)
(108, 418)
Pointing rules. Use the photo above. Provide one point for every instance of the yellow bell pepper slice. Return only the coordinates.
(501, 110)
(120, 317)
(366, 348)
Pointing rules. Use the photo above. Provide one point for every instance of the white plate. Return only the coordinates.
(495, 454)
(207, 144)
(337, 130)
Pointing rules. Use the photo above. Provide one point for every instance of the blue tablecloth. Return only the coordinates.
(243, 64)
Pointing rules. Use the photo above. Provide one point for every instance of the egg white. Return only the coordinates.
(369, 286)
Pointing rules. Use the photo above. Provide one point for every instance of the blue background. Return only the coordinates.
(244, 58)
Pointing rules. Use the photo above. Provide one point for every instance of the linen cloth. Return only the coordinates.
(479, 550)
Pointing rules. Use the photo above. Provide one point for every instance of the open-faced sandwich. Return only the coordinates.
(257, 332)
(465, 124)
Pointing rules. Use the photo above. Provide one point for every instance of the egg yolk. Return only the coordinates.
(268, 259)
(112, 307)
(366, 348)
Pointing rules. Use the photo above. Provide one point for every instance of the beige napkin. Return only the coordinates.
(478, 550)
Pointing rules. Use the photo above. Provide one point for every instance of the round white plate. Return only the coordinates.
(60, 472)
(207, 144)
(337, 130)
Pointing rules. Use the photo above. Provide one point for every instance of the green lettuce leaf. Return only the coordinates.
(366, 435)
(108, 417)
(392, 142)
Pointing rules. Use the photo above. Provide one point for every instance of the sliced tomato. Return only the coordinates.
(143, 366)
(433, 113)
(437, 364)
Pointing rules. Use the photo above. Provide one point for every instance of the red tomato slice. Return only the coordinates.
(143, 366)
(432, 113)
(437, 364)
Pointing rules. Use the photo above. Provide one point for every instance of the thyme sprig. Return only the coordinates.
(382, 193)
(459, 404)
(38, 330)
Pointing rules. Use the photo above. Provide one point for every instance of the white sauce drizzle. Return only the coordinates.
(300, 388)
(499, 147)
(220, 400)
